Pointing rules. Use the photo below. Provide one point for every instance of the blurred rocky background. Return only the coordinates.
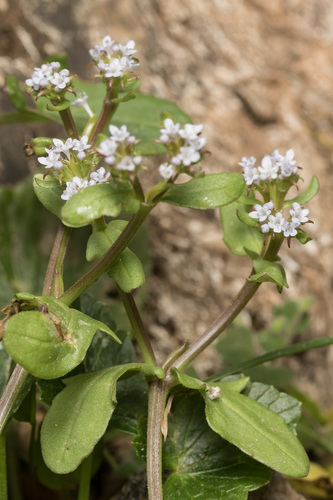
(259, 76)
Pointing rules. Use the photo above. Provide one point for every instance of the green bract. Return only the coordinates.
(52, 341)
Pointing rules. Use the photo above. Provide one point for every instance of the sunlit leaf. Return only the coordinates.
(210, 191)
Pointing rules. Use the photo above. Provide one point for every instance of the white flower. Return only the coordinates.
(81, 101)
(188, 155)
(268, 169)
(287, 164)
(100, 176)
(126, 163)
(298, 214)
(265, 228)
(80, 146)
(60, 80)
(276, 222)
(166, 170)
(119, 134)
(74, 187)
(63, 147)
(53, 160)
(71, 190)
(261, 212)
(108, 148)
(247, 162)
(198, 142)
(126, 50)
(190, 132)
(250, 175)
(170, 130)
(289, 229)
(114, 69)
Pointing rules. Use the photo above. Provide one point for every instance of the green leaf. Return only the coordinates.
(307, 195)
(280, 403)
(127, 270)
(50, 344)
(80, 414)
(266, 271)
(49, 192)
(14, 93)
(257, 431)
(210, 191)
(236, 235)
(202, 464)
(96, 201)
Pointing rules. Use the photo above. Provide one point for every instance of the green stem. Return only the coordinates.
(85, 476)
(158, 393)
(110, 256)
(138, 327)
(10, 394)
(217, 327)
(53, 283)
(3, 468)
(108, 110)
(69, 123)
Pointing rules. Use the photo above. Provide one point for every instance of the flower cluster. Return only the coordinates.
(77, 184)
(49, 77)
(184, 145)
(118, 149)
(272, 220)
(59, 147)
(114, 60)
(274, 166)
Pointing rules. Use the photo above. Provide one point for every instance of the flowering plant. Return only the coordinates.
(92, 383)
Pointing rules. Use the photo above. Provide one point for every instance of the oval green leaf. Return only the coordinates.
(210, 191)
(127, 270)
(257, 431)
(95, 201)
(80, 414)
(50, 344)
